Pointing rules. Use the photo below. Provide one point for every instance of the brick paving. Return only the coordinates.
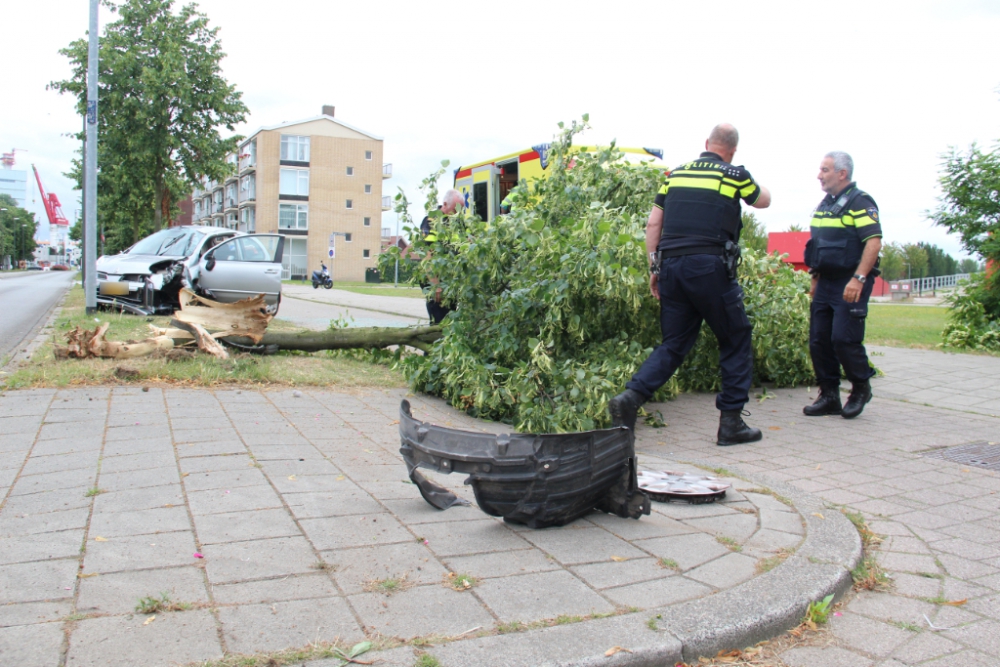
(298, 503)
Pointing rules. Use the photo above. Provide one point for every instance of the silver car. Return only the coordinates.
(221, 264)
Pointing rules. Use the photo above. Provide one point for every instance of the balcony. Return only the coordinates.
(230, 203)
(387, 170)
(217, 207)
(387, 203)
(232, 178)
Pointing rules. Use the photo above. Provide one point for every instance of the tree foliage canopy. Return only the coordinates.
(162, 102)
(17, 230)
(970, 200)
(553, 307)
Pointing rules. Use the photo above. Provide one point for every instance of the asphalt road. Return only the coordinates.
(26, 299)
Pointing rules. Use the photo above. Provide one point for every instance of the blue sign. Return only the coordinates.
(92, 113)
(332, 252)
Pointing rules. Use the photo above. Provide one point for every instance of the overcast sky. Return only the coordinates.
(895, 84)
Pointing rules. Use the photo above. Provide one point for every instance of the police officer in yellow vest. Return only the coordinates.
(842, 255)
(694, 229)
(436, 308)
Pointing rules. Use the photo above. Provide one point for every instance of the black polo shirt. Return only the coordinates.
(711, 185)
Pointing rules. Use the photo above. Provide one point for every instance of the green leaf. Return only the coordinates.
(604, 227)
(537, 225)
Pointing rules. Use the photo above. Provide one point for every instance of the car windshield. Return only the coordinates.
(175, 242)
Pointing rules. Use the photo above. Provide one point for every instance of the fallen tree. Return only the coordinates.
(207, 325)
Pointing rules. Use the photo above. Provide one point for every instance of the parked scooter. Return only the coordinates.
(322, 278)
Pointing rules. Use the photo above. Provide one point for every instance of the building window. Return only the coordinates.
(248, 190)
(294, 261)
(293, 216)
(368, 222)
(368, 189)
(347, 237)
(350, 203)
(248, 220)
(350, 171)
(368, 155)
(366, 253)
(294, 182)
(294, 148)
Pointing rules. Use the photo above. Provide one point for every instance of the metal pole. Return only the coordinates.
(396, 281)
(90, 169)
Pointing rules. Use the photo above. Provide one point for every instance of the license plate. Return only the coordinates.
(110, 288)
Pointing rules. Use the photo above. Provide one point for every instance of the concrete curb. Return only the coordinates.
(758, 609)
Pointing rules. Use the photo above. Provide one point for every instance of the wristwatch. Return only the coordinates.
(860, 278)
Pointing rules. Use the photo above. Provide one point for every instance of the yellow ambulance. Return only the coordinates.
(485, 184)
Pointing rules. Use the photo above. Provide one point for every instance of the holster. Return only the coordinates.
(731, 257)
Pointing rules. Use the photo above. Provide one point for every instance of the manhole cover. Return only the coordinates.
(979, 454)
(667, 485)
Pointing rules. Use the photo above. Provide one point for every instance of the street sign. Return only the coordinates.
(333, 253)
(333, 246)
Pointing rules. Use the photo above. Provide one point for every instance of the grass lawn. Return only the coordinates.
(325, 369)
(905, 326)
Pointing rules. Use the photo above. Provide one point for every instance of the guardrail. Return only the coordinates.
(934, 283)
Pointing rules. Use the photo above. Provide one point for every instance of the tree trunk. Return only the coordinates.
(158, 204)
(367, 338)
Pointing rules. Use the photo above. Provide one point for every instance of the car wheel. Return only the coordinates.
(273, 310)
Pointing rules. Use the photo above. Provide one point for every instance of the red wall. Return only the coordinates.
(793, 244)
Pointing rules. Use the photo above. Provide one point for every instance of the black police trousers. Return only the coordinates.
(837, 332)
(436, 311)
(695, 288)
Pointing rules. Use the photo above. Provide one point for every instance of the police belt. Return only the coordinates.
(693, 250)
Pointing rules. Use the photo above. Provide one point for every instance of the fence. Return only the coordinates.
(934, 283)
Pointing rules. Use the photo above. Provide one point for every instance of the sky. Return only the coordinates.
(895, 84)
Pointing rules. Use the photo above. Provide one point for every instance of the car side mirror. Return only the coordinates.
(210, 262)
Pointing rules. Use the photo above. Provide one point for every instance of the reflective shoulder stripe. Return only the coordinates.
(697, 183)
(864, 221)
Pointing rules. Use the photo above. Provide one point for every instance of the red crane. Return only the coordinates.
(53, 208)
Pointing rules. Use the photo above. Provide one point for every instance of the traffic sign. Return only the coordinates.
(333, 253)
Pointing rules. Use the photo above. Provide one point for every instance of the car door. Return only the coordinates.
(244, 266)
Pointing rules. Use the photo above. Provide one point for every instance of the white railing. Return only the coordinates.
(387, 203)
(934, 283)
(387, 170)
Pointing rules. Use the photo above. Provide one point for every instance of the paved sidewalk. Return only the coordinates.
(298, 503)
(393, 305)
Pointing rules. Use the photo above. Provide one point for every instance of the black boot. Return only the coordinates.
(861, 393)
(624, 408)
(734, 431)
(828, 402)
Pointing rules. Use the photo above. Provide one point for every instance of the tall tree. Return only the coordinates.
(970, 200)
(939, 263)
(163, 101)
(915, 257)
(968, 265)
(17, 230)
(892, 264)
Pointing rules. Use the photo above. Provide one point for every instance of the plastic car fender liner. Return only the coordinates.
(538, 480)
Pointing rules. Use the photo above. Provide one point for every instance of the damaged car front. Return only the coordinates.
(221, 264)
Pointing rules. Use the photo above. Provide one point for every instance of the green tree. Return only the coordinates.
(969, 265)
(892, 263)
(939, 263)
(970, 200)
(163, 100)
(754, 233)
(795, 227)
(915, 258)
(553, 306)
(17, 230)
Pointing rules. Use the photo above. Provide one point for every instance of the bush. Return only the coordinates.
(974, 319)
(554, 313)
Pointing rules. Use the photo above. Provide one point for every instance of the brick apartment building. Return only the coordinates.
(307, 179)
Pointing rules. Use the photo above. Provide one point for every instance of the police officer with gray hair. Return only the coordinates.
(692, 238)
(842, 255)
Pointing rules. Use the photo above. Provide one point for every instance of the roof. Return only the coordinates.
(281, 126)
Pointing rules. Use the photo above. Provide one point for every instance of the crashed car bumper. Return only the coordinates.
(140, 297)
(535, 480)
